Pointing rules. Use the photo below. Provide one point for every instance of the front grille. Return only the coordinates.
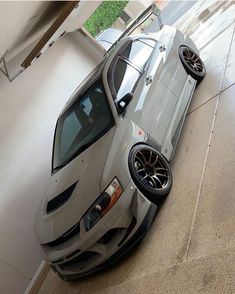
(60, 200)
(108, 237)
(86, 256)
(62, 260)
(72, 254)
(66, 236)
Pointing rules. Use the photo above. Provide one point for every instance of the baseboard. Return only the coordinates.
(38, 279)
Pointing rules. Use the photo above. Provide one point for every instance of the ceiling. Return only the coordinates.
(23, 22)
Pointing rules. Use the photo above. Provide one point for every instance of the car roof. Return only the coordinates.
(110, 35)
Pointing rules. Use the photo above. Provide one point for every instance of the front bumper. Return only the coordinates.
(118, 231)
(134, 240)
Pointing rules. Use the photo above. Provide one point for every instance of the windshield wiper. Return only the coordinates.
(60, 166)
(82, 148)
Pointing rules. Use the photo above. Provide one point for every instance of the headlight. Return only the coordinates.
(105, 201)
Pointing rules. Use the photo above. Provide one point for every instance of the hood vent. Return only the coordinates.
(60, 200)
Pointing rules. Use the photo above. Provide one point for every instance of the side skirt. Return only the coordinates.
(173, 133)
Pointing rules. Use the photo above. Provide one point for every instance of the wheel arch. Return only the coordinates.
(156, 196)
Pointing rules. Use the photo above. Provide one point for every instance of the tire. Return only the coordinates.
(192, 63)
(150, 172)
(62, 277)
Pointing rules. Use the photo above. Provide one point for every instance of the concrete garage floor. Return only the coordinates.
(190, 247)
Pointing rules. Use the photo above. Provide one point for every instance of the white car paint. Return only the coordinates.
(108, 37)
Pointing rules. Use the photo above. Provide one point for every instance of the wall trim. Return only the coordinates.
(38, 278)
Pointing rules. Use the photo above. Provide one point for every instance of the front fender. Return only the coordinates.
(126, 135)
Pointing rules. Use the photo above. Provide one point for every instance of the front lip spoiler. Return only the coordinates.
(134, 240)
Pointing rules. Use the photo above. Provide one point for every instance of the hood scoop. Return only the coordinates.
(61, 199)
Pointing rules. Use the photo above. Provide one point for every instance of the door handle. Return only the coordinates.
(162, 48)
(149, 80)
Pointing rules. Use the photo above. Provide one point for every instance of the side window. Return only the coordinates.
(124, 79)
(127, 66)
(138, 51)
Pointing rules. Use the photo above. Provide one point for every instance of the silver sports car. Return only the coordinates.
(112, 147)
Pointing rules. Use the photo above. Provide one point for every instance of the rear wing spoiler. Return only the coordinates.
(151, 10)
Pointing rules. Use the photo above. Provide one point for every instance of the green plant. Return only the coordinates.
(104, 16)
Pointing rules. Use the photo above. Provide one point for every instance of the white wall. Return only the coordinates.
(135, 7)
(29, 107)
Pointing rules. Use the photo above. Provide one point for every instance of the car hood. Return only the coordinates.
(85, 170)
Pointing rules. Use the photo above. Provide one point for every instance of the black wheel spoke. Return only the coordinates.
(145, 177)
(160, 169)
(157, 180)
(193, 60)
(152, 182)
(155, 161)
(161, 175)
(140, 161)
(150, 157)
(142, 158)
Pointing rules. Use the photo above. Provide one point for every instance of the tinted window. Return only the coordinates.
(82, 124)
(124, 79)
(138, 52)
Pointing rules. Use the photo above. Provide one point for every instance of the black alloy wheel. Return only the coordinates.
(192, 63)
(150, 172)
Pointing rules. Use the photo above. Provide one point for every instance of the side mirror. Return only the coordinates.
(122, 103)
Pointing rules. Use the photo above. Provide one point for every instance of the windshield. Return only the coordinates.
(81, 125)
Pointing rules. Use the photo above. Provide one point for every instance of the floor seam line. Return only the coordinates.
(226, 88)
(210, 255)
(221, 88)
(208, 149)
(204, 103)
(226, 63)
(15, 268)
(201, 181)
(167, 267)
(143, 275)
